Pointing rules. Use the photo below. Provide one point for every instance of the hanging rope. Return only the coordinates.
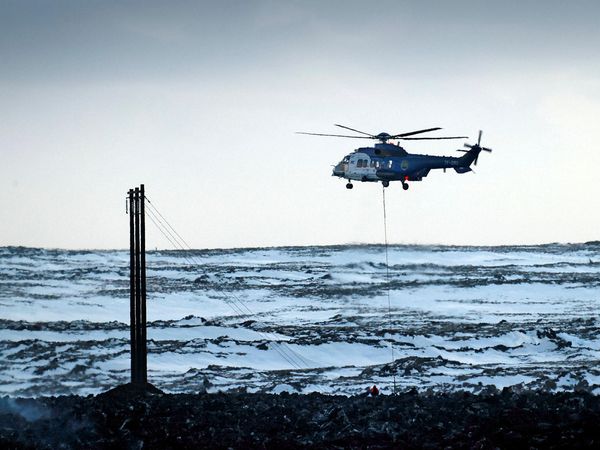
(234, 302)
(387, 277)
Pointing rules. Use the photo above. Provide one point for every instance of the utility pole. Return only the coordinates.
(137, 285)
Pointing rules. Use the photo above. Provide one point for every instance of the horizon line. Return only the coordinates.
(275, 247)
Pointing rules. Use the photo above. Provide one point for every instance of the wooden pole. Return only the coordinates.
(138, 312)
(143, 342)
(137, 286)
(132, 295)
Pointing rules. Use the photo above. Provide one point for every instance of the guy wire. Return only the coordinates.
(236, 304)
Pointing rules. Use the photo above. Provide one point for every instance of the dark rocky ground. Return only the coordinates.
(129, 418)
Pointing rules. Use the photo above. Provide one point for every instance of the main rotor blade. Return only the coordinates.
(335, 135)
(479, 138)
(410, 133)
(432, 138)
(356, 131)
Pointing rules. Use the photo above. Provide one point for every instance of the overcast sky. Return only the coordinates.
(200, 101)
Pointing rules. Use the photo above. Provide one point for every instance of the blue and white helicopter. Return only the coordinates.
(387, 161)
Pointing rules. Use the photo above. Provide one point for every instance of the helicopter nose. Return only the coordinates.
(338, 171)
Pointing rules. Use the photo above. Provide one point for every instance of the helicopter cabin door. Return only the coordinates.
(362, 167)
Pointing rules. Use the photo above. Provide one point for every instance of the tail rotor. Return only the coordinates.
(477, 147)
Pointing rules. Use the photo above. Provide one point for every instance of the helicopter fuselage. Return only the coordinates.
(388, 162)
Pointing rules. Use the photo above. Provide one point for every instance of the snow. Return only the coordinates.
(266, 319)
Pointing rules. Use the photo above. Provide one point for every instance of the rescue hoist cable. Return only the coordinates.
(387, 277)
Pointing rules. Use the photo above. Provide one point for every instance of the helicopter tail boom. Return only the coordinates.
(469, 158)
(471, 155)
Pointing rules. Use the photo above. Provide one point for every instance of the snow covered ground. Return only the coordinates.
(305, 319)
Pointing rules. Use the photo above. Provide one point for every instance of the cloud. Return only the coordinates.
(94, 41)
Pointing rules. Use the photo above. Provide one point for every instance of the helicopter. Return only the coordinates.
(387, 161)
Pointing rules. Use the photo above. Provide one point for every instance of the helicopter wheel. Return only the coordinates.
(385, 183)
(349, 186)
(405, 186)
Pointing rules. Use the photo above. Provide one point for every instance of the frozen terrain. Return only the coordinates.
(305, 319)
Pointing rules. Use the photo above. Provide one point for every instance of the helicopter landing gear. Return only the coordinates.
(349, 185)
(385, 183)
(405, 186)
